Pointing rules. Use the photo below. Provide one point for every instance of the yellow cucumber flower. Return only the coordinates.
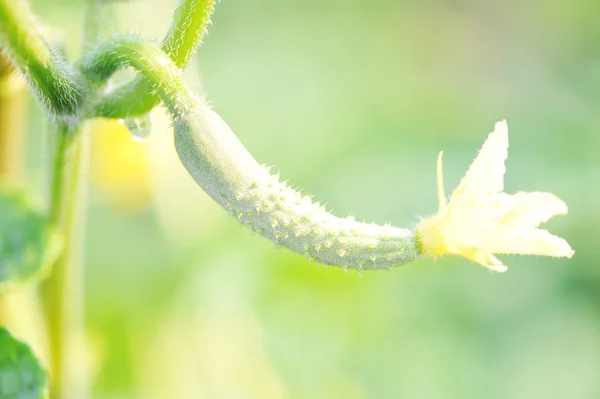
(480, 220)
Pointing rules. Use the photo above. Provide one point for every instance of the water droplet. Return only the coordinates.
(328, 244)
(274, 224)
(139, 127)
(341, 252)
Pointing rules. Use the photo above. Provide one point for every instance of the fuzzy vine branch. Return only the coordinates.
(157, 70)
(56, 83)
(187, 29)
(137, 98)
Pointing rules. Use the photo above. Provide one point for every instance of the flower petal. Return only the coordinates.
(484, 258)
(532, 209)
(486, 174)
(520, 210)
(440, 184)
(480, 220)
(531, 241)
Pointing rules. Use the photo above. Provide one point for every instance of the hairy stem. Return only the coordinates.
(64, 290)
(19, 310)
(56, 83)
(221, 165)
(187, 29)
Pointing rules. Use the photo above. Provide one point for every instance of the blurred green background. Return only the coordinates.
(353, 100)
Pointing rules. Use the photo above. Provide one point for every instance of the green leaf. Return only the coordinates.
(21, 376)
(28, 243)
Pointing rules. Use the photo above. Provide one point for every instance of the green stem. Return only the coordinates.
(56, 83)
(19, 310)
(159, 72)
(187, 29)
(63, 291)
(63, 139)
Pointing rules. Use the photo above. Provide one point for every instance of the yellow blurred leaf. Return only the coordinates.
(120, 168)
